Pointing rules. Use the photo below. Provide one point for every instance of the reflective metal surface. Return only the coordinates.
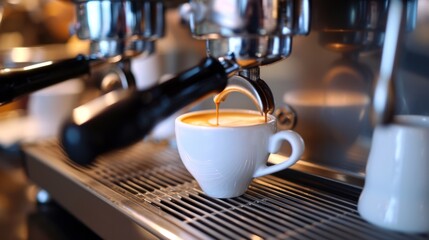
(222, 18)
(255, 32)
(251, 52)
(351, 25)
(255, 89)
(148, 185)
(119, 27)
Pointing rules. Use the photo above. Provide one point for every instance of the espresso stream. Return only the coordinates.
(220, 97)
(227, 119)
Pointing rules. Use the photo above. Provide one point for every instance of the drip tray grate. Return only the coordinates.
(287, 206)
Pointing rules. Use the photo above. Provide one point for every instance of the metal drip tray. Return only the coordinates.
(145, 191)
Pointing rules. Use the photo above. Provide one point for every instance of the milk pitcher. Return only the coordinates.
(396, 191)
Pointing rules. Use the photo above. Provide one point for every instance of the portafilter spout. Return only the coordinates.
(249, 83)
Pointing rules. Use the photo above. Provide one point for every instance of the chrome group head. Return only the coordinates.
(256, 32)
(120, 28)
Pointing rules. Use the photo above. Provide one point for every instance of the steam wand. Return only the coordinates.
(384, 94)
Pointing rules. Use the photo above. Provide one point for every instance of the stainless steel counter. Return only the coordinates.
(145, 192)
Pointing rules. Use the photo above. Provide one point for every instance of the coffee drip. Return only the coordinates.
(220, 97)
(248, 83)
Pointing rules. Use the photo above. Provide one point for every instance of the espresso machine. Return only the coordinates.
(320, 61)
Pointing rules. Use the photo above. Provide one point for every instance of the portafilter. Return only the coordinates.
(241, 36)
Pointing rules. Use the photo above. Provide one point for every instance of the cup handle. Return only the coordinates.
(275, 141)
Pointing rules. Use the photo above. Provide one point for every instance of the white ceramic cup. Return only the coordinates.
(396, 191)
(224, 160)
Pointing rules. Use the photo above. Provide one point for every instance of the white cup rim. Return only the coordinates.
(270, 117)
(420, 121)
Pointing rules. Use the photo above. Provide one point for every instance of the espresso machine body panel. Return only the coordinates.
(326, 85)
